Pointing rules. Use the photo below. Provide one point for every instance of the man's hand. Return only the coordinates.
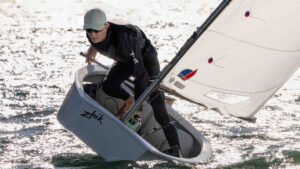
(90, 55)
(88, 58)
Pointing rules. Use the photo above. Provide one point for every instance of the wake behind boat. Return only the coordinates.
(89, 113)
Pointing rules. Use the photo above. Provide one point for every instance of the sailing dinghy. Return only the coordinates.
(239, 57)
(89, 114)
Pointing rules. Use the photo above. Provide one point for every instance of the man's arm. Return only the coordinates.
(134, 60)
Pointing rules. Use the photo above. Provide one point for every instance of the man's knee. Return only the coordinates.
(109, 88)
(157, 97)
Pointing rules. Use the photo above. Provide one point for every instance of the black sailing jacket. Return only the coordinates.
(128, 44)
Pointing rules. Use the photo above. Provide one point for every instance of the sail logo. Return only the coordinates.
(93, 116)
(187, 74)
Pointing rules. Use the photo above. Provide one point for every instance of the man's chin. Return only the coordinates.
(95, 40)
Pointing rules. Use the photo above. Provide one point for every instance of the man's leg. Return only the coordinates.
(162, 117)
(112, 85)
(157, 99)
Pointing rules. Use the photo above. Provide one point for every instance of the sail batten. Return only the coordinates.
(257, 45)
(233, 91)
(242, 58)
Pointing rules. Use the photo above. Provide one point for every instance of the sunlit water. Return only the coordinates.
(39, 46)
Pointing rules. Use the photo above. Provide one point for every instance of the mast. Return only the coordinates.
(200, 30)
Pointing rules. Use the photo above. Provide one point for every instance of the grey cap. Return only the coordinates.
(94, 19)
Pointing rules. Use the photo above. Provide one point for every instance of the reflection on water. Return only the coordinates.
(38, 59)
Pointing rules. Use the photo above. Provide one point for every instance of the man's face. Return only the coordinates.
(97, 36)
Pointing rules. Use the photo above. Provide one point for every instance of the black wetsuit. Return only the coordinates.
(135, 56)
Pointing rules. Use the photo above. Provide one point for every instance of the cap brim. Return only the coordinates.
(85, 27)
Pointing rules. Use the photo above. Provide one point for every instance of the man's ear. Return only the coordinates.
(107, 25)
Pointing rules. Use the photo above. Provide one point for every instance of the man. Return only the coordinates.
(134, 56)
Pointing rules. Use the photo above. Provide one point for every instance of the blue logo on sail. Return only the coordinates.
(187, 74)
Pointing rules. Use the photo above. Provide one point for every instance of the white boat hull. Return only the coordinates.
(93, 122)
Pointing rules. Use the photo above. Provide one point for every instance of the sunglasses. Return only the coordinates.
(93, 30)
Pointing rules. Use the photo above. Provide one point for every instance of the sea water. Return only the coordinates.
(40, 42)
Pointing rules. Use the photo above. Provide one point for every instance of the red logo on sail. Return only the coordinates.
(187, 74)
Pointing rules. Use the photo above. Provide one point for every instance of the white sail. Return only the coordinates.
(243, 57)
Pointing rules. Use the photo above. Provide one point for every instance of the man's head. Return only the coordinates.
(96, 25)
(94, 19)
